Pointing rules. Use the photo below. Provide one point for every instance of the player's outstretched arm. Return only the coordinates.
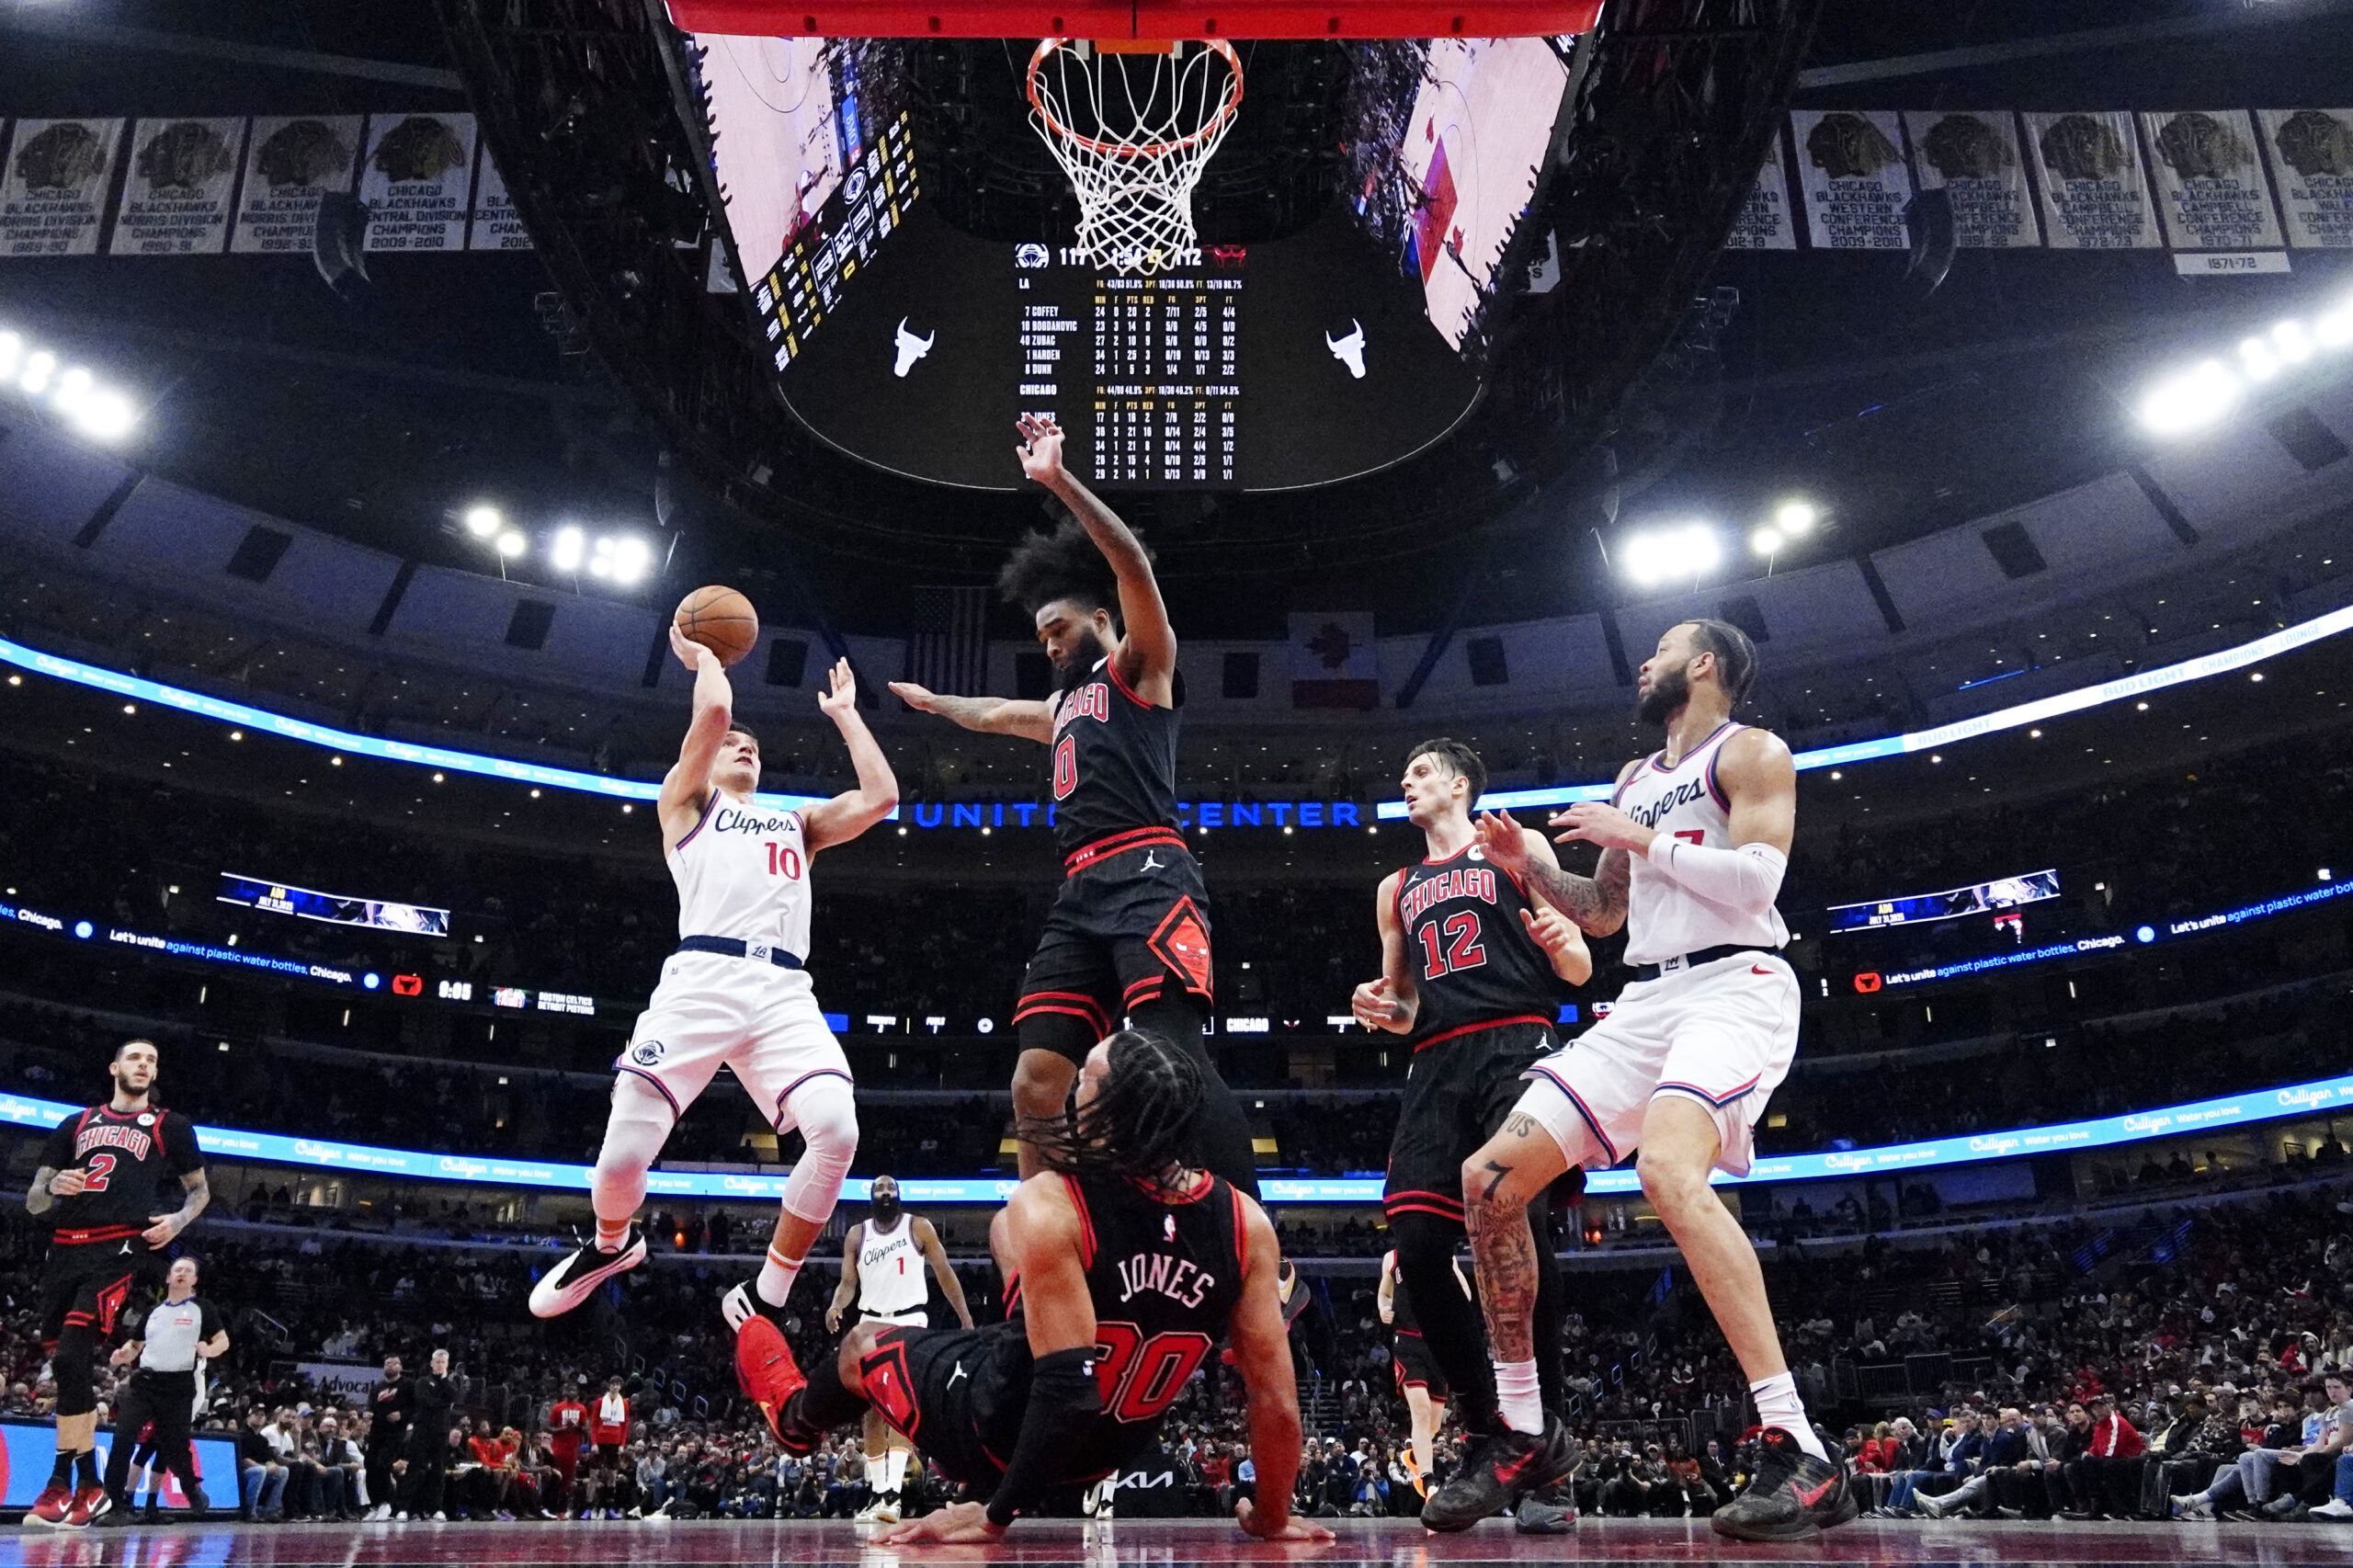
(1261, 1355)
(937, 1255)
(988, 715)
(1595, 903)
(847, 815)
(1150, 643)
(688, 784)
(1554, 932)
(1390, 1002)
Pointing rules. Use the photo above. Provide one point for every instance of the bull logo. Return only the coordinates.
(911, 348)
(1349, 350)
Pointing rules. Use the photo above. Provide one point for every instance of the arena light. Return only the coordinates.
(1796, 518)
(567, 551)
(1660, 555)
(621, 560)
(1765, 542)
(512, 545)
(2192, 401)
(2258, 360)
(40, 366)
(2335, 330)
(12, 353)
(2292, 342)
(87, 405)
(483, 521)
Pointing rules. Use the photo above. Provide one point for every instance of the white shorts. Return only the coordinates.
(911, 1317)
(1722, 1034)
(759, 1019)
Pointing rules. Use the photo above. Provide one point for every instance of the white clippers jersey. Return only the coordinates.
(743, 873)
(1664, 919)
(891, 1276)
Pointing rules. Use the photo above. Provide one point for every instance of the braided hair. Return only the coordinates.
(1063, 564)
(1139, 1121)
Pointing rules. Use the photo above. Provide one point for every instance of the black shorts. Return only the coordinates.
(87, 1284)
(956, 1393)
(1456, 1094)
(1417, 1369)
(1128, 927)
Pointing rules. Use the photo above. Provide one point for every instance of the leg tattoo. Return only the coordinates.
(1502, 1249)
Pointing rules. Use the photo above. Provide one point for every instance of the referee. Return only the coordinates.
(183, 1328)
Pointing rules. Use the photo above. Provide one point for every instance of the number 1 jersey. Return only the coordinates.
(1473, 960)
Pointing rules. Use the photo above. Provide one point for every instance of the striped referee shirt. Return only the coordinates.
(173, 1330)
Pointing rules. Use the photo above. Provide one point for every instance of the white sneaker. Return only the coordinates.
(575, 1279)
(2192, 1506)
(401, 1518)
(2335, 1509)
(440, 1518)
(883, 1510)
(380, 1513)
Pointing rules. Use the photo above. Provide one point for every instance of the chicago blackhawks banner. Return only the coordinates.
(1851, 164)
(417, 181)
(1765, 223)
(2311, 155)
(291, 160)
(2210, 189)
(1973, 156)
(2089, 168)
(53, 194)
(176, 196)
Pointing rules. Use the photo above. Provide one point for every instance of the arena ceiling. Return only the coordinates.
(380, 409)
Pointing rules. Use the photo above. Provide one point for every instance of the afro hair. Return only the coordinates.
(1063, 564)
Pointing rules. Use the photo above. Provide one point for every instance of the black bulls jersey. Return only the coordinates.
(1164, 1274)
(1114, 760)
(133, 1163)
(1473, 960)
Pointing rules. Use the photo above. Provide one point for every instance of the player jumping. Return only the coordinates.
(1129, 935)
(1130, 1265)
(98, 1181)
(1693, 843)
(734, 992)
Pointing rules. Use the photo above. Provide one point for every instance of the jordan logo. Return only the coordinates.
(955, 1374)
(1152, 861)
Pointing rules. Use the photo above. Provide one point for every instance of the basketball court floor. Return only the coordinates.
(1152, 1543)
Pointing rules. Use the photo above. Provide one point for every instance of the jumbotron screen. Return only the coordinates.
(1978, 898)
(1331, 353)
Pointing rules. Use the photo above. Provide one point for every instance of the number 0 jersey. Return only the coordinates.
(1664, 919)
(133, 1163)
(1473, 962)
(1114, 760)
(742, 872)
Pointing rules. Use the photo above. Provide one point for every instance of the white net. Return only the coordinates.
(1133, 132)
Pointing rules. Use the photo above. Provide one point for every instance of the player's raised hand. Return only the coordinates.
(1377, 1006)
(1500, 842)
(1042, 449)
(66, 1183)
(959, 1524)
(1600, 824)
(1550, 930)
(914, 696)
(1254, 1523)
(839, 700)
(691, 653)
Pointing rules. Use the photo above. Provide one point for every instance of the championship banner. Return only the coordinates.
(2088, 168)
(497, 225)
(53, 194)
(175, 198)
(2211, 190)
(293, 161)
(1851, 164)
(2311, 155)
(416, 179)
(1764, 222)
(1973, 156)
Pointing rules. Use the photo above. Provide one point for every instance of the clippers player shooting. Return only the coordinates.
(100, 1181)
(1693, 843)
(1129, 935)
(1473, 970)
(735, 990)
(1130, 1265)
(887, 1260)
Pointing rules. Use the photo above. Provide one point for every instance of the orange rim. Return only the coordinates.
(1226, 110)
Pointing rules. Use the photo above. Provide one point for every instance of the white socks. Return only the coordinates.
(895, 1470)
(877, 1466)
(1778, 1404)
(1517, 1397)
(777, 1275)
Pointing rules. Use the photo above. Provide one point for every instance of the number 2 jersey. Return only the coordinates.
(1473, 962)
(133, 1161)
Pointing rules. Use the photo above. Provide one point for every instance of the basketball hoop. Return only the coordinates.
(1133, 130)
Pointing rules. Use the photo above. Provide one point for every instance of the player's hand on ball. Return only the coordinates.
(913, 696)
(1042, 449)
(1264, 1528)
(840, 699)
(66, 1184)
(1377, 1006)
(1500, 842)
(1550, 930)
(959, 1524)
(691, 653)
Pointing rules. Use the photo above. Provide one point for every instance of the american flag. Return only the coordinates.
(949, 650)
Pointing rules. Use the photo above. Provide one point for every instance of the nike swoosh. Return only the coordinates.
(1758, 969)
(1510, 1472)
(1816, 1494)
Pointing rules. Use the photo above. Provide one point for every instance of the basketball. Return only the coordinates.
(720, 619)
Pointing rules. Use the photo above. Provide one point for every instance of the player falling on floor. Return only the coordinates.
(1421, 1381)
(734, 992)
(1128, 1264)
(1472, 968)
(888, 1260)
(101, 1173)
(1694, 842)
(1129, 934)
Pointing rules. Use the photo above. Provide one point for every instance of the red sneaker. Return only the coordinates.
(51, 1508)
(768, 1376)
(88, 1504)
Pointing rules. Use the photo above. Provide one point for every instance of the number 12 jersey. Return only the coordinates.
(1473, 960)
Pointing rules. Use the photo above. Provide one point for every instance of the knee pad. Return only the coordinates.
(635, 1130)
(825, 1111)
(73, 1363)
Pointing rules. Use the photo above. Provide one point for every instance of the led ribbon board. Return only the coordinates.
(1920, 908)
(334, 909)
(2271, 646)
(315, 1153)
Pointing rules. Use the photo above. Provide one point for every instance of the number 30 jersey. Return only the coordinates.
(1473, 962)
(742, 872)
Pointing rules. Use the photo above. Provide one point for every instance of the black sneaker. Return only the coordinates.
(1505, 1467)
(1792, 1495)
(584, 1268)
(744, 1302)
(1540, 1516)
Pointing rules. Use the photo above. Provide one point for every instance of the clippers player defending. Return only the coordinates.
(886, 1260)
(1693, 843)
(735, 990)
(1472, 969)
(98, 1181)
(1130, 1266)
(1129, 935)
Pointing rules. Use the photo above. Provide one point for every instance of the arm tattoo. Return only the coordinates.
(1519, 1124)
(1595, 903)
(1495, 1181)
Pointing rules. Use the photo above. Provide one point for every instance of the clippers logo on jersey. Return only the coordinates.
(1649, 812)
(729, 819)
(1181, 1281)
(743, 872)
(646, 1052)
(1665, 919)
(113, 1135)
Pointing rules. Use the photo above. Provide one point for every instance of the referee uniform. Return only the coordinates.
(163, 1391)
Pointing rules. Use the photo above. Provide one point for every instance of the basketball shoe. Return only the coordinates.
(769, 1376)
(1792, 1496)
(584, 1268)
(1505, 1466)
